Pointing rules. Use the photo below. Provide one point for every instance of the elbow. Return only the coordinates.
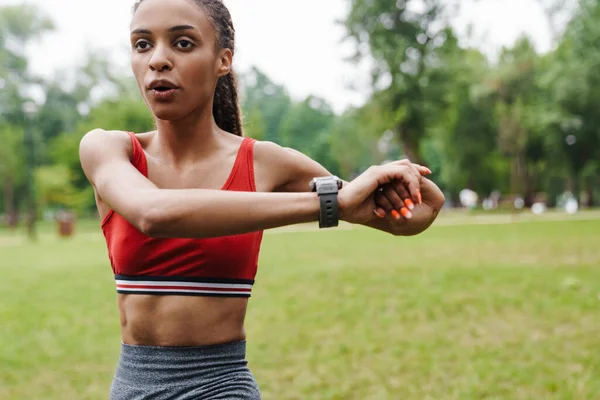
(153, 223)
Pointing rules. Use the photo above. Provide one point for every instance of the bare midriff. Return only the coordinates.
(181, 321)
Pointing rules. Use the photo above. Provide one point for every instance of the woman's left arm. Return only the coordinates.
(295, 170)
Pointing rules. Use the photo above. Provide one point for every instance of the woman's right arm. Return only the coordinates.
(201, 213)
(192, 213)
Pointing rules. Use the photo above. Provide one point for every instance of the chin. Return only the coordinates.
(168, 112)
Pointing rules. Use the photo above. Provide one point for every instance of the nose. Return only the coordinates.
(160, 60)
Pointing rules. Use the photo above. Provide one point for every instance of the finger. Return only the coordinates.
(402, 191)
(404, 161)
(399, 209)
(422, 170)
(390, 193)
(380, 212)
(411, 181)
(389, 173)
(406, 204)
(413, 188)
(381, 202)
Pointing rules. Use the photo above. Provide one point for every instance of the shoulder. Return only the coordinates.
(97, 139)
(98, 146)
(287, 169)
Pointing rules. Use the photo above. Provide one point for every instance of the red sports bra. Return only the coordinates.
(222, 266)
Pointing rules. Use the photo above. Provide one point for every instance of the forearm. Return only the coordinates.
(212, 213)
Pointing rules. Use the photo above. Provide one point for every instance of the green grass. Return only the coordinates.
(507, 311)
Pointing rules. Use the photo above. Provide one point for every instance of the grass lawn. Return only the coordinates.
(481, 311)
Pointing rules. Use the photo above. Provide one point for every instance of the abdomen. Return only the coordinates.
(150, 320)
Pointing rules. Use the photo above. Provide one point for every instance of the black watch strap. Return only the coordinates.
(327, 188)
(329, 215)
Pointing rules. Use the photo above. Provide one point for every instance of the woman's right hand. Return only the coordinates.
(356, 200)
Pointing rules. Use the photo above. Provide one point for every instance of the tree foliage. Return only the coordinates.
(525, 125)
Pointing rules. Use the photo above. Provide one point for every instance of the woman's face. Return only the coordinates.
(173, 57)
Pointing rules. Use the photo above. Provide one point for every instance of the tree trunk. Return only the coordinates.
(409, 147)
(9, 203)
(589, 190)
(456, 200)
(528, 194)
(514, 177)
(569, 183)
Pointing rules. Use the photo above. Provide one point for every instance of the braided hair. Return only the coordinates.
(226, 107)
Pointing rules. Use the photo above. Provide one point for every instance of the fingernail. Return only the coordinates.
(420, 197)
(379, 213)
(409, 203)
(428, 170)
(405, 213)
(395, 214)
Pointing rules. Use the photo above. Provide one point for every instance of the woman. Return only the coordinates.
(183, 208)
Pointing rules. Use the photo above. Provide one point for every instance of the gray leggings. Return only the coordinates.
(184, 373)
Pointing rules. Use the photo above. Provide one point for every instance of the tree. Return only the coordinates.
(263, 99)
(403, 39)
(11, 167)
(58, 114)
(461, 148)
(359, 140)
(254, 124)
(19, 25)
(524, 116)
(576, 87)
(307, 128)
(55, 189)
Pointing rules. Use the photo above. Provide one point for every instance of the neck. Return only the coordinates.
(186, 139)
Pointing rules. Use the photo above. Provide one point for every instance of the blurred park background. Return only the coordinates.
(498, 299)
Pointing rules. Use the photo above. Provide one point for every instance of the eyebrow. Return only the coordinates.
(176, 28)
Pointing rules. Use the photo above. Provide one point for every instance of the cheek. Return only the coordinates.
(137, 67)
(201, 74)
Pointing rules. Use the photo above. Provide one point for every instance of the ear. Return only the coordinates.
(224, 63)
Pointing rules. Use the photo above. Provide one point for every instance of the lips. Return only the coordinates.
(163, 90)
(162, 85)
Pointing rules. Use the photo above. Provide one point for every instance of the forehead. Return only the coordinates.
(160, 15)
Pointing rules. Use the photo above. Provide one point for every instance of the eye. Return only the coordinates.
(142, 45)
(184, 44)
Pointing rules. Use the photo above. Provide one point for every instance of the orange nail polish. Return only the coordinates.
(395, 214)
(420, 197)
(379, 213)
(406, 213)
(409, 203)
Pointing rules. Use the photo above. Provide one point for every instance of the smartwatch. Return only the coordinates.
(327, 188)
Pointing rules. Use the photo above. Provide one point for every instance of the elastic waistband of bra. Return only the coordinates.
(186, 286)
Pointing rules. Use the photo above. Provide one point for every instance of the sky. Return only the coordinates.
(296, 43)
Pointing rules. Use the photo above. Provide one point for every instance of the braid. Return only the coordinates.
(226, 107)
